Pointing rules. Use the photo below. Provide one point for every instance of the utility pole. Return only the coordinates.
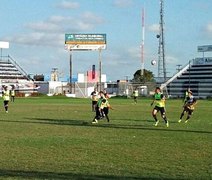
(100, 69)
(70, 64)
(179, 67)
(142, 44)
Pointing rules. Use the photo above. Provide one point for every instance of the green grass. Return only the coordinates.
(53, 138)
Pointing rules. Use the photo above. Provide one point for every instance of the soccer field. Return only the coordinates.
(53, 138)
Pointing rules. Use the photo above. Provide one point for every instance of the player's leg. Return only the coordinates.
(97, 117)
(6, 105)
(182, 114)
(189, 115)
(154, 112)
(135, 99)
(102, 114)
(106, 112)
(92, 109)
(93, 106)
(163, 115)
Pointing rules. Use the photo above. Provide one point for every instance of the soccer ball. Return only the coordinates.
(153, 62)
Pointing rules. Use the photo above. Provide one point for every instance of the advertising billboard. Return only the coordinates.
(204, 48)
(205, 60)
(85, 41)
(4, 44)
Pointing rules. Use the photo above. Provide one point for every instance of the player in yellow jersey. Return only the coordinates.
(188, 107)
(135, 96)
(6, 98)
(12, 94)
(159, 101)
(94, 98)
(98, 109)
(102, 108)
(186, 95)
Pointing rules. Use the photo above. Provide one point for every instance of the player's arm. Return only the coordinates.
(194, 102)
(186, 100)
(152, 102)
(163, 97)
(109, 106)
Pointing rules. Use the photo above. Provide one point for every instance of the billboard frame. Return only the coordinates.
(205, 48)
(82, 42)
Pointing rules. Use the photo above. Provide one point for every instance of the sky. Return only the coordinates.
(36, 32)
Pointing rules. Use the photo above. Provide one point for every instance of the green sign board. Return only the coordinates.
(92, 39)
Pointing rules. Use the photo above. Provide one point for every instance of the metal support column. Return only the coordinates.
(70, 63)
(100, 70)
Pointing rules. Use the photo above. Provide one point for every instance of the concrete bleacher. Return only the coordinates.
(197, 77)
(10, 70)
(12, 74)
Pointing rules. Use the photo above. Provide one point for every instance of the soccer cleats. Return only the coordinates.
(95, 121)
(180, 120)
(167, 124)
(156, 123)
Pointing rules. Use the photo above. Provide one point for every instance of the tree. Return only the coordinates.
(147, 76)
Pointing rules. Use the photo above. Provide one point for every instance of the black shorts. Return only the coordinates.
(189, 111)
(94, 103)
(6, 103)
(161, 109)
(106, 110)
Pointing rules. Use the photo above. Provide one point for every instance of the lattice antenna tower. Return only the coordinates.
(161, 47)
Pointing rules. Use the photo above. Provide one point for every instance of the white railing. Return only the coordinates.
(10, 59)
(164, 85)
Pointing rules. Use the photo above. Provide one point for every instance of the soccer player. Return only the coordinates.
(159, 100)
(12, 93)
(104, 108)
(106, 94)
(186, 95)
(188, 107)
(94, 98)
(135, 96)
(99, 113)
(6, 98)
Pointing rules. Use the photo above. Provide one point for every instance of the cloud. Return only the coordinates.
(154, 28)
(208, 28)
(59, 19)
(86, 21)
(134, 52)
(68, 5)
(206, 31)
(171, 59)
(38, 39)
(92, 18)
(123, 3)
(51, 32)
(44, 26)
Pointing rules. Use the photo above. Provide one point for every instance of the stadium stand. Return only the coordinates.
(13, 75)
(197, 76)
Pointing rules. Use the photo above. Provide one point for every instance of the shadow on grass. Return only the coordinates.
(100, 125)
(54, 175)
